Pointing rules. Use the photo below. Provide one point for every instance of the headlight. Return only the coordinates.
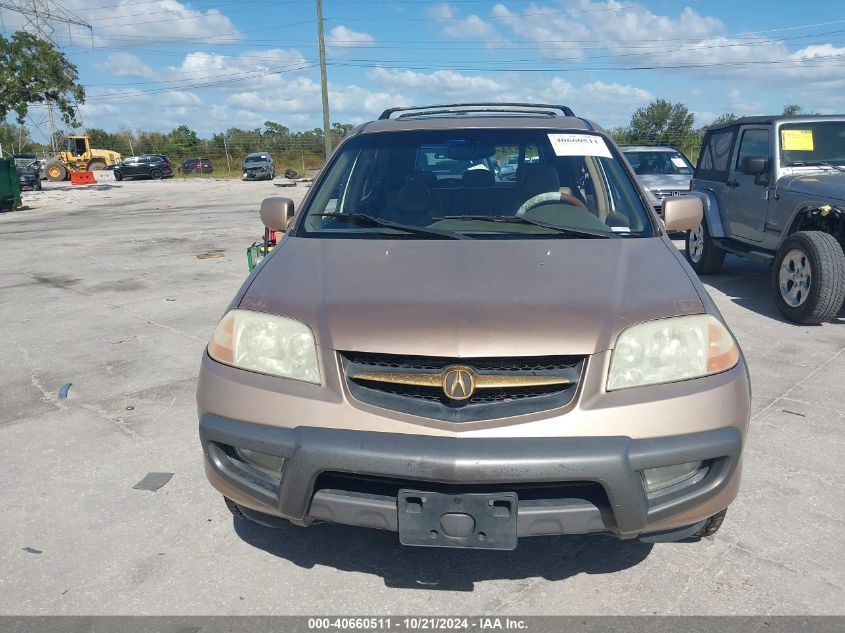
(267, 344)
(668, 350)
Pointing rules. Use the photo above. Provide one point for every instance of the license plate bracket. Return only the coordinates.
(471, 520)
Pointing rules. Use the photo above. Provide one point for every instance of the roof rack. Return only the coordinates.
(467, 108)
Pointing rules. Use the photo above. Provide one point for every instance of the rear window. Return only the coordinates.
(716, 155)
(453, 182)
(657, 162)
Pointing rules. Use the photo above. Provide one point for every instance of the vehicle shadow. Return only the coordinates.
(749, 284)
(379, 553)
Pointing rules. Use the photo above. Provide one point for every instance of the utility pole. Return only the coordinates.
(324, 82)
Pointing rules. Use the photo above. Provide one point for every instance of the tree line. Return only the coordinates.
(662, 122)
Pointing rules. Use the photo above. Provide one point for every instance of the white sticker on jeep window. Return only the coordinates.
(579, 145)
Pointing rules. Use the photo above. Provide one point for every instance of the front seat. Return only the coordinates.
(475, 197)
(415, 204)
(537, 184)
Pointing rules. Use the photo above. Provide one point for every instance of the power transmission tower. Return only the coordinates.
(42, 16)
(40, 19)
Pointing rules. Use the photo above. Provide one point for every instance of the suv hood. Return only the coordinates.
(460, 298)
(671, 182)
(825, 185)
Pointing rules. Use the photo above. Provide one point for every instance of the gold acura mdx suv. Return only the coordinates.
(466, 354)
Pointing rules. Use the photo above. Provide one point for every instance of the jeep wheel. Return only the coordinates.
(712, 525)
(702, 253)
(808, 277)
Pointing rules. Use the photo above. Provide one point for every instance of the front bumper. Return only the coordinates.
(257, 175)
(592, 484)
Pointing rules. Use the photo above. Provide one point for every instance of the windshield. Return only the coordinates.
(647, 163)
(813, 142)
(449, 182)
(256, 159)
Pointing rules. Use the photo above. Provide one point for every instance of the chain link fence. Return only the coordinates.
(689, 143)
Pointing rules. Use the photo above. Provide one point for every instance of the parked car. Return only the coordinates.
(155, 166)
(28, 170)
(258, 166)
(467, 363)
(773, 190)
(663, 171)
(198, 166)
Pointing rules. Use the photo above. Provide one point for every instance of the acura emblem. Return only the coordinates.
(458, 383)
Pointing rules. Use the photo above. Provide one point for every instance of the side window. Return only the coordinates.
(716, 155)
(753, 143)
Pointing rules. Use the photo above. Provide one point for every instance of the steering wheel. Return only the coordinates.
(550, 196)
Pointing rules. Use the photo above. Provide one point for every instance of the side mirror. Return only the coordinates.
(754, 165)
(276, 213)
(683, 213)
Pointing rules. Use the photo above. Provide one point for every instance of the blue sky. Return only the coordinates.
(214, 64)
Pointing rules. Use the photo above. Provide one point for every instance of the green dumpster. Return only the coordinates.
(10, 191)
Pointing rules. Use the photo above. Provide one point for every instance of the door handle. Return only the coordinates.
(733, 184)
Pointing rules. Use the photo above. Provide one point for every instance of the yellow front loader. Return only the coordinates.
(78, 156)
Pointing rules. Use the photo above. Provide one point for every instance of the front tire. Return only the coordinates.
(118, 176)
(808, 277)
(56, 172)
(712, 525)
(702, 253)
(233, 508)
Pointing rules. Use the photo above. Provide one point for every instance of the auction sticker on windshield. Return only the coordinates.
(677, 161)
(797, 140)
(579, 145)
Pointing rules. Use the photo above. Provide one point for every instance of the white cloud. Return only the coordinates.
(441, 11)
(470, 27)
(127, 65)
(128, 21)
(557, 33)
(437, 82)
(608, 102)
(344, 37)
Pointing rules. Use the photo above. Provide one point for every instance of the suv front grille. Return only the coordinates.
(504, 386)
(660, 194)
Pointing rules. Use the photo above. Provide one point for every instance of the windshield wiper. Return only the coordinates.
(521, 219)
(815, 163)
(363, 219)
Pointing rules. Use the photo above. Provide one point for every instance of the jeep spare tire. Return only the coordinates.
(702, 253)
(808, 278)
